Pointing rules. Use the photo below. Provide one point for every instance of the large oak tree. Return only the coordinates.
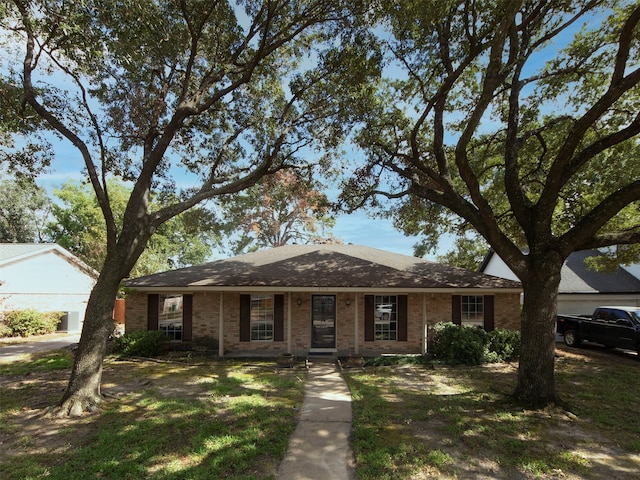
(186, 100)
(518, 119)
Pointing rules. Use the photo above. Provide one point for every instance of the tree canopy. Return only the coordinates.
(185, 100)
(281, 209)
(468, 252)
(78, 226)
(515, 119)
(23, 210)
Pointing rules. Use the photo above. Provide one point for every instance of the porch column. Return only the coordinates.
(221, 327)
(425, 328)
(356, 349)
(289, 323)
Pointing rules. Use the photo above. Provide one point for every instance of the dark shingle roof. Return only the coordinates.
(317, 266)
(576, 277)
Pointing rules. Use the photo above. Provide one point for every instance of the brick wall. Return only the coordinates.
(206, 320)
(507, 311)
(135, 317)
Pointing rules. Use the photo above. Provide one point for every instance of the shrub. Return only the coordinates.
(24, 323)
(141, 343)
(505, 344)
(5, 331)
(459, 344)
(472, 345)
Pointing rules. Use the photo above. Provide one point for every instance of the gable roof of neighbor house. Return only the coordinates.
(16, 252)
(577, 277)
(322, 266)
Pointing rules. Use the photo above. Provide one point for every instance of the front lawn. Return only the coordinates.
(420, 422)
(168, 420)
(232, 419)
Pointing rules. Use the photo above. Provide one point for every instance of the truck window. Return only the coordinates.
(601, 315)
(617, 315)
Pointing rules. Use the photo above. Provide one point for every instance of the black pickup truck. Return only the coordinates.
(609, 326)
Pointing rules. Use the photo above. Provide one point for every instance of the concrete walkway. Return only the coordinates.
(319, 448)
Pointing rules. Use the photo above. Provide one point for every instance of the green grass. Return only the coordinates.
(223, 419)
(43, 362)
(217, 419)
(446, 422)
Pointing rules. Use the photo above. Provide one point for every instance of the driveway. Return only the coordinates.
(12, 349)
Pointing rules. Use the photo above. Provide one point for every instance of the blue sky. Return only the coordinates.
(357, 228)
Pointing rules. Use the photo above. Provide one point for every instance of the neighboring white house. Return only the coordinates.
(47, 278)
(582, 289)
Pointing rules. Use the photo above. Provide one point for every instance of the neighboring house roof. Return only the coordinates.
(322, 266)
(577, 277)
(15, 252)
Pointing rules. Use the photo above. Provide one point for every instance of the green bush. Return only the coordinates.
(5, 331)
(141, 343)
(459, 344)
(505, 344)
(24, 323)
(471, 345)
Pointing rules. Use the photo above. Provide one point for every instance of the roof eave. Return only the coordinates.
(325, 289)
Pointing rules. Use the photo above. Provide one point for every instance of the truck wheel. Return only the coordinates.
(571, 338)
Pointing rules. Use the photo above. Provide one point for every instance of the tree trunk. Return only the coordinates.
(536, 380)
(83, 391)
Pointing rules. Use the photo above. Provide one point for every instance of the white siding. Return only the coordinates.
(46, 282)
(498, 268)
(585, 304)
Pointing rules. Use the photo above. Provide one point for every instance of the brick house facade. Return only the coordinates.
(340, 299)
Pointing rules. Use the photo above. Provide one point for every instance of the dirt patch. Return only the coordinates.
(29, 432)
(472, 436)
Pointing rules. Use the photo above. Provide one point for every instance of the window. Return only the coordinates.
(262, 315)
(170, 316)
(386, 317)
(472, 310)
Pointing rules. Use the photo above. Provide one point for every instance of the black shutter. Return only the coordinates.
(187, 318)
(153, 311)
(489, 315)
(456, 309)
(278, 318)
(245, 318)
(368, 318)
(402, 318)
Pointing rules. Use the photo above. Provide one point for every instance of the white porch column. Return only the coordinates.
(221, 327)
(289, 316)
(356, 328)
(424, 323)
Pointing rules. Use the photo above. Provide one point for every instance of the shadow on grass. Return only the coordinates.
(218, 420)
(459, 422)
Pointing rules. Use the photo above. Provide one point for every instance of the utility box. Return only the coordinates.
(70, 322)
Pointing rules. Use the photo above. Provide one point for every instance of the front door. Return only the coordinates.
(323, 321)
